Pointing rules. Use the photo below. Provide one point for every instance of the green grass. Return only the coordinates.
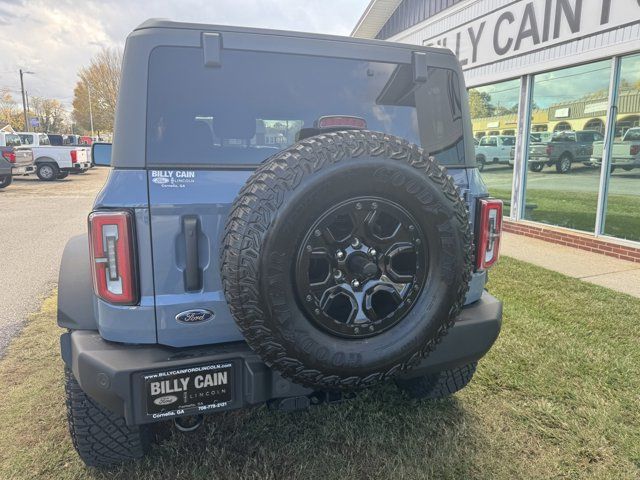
(578, 210)
(557, 397)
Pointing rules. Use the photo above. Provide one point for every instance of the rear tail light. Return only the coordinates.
(9, 157)
(549, 149)
(74, 156)
(635, 150)
(111, 242)
(341, 121)
(489, 232)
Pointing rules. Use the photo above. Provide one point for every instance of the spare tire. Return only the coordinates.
(346, 258)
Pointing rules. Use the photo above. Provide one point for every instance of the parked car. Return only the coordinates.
(5, 172)
(495, 149)
(20, 158)
(562, 150)
(55, 162)
(625, 153)
(331, 261)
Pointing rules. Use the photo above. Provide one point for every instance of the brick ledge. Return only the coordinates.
(570, 238)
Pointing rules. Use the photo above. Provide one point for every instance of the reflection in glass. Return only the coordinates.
(567, 119)
(494, 114)
(622, 218)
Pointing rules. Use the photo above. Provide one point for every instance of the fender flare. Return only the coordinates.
(75, 287)
(44, 160)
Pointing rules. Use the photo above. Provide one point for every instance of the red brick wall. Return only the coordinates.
(574, 239)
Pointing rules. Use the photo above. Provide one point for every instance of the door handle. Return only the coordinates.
(192, 277)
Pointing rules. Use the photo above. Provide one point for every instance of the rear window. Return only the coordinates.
(256, 104)
(632, 135)
(26, 139)
(12, 140)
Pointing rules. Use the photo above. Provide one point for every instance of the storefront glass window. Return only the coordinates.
(623, 205)
(568, 116)
(494, 114)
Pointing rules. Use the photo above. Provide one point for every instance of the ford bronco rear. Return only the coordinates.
(304, 218)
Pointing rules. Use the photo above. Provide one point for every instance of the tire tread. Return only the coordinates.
(257, 204)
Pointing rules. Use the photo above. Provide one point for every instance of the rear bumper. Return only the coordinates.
(76, 167)
(23, 169)
(112, 373)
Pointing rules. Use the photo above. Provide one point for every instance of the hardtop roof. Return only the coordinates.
(164, 23)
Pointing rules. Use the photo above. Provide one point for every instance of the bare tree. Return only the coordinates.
(50, 113)
(101, 81)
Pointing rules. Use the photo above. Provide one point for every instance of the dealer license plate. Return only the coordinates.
(189, 390)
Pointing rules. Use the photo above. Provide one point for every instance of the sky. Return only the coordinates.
(55, 38)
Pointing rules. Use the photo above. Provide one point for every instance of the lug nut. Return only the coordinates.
(337, 274)
(355, 284)
(373, 252)
(317, 233)
(358, 206)
(309, 298)
(340, 254)
(355, 243)
(374, 205)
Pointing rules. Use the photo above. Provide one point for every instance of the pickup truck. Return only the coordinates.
(495, 149)
(55, 162)
(563, 149)
(625, 153)
(18, 158)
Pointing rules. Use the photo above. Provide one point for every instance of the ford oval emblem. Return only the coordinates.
(166, 400)
(197, 315)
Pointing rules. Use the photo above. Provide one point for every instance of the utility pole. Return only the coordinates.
(26, 94)
(90, 110)
(24, 99)
(24, 103)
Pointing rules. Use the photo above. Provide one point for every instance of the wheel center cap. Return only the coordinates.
(361, 266)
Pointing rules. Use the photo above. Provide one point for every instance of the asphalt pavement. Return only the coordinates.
(36, 220)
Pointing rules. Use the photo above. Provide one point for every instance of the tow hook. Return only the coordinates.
(188, 424)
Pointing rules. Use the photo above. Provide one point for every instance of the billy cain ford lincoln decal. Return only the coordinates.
(190, 390)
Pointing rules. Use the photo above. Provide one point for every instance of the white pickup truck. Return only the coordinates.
(55, 162)
(625, 153)
(495, 149)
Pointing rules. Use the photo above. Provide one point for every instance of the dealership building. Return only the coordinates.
(561, 77)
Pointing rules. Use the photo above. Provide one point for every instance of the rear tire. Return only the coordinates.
(5, 181)
(101, 438)
(536, 167)
(564, 164)
(438, 385)
(47, 171)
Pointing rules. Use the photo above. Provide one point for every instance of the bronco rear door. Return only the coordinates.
(215, 114)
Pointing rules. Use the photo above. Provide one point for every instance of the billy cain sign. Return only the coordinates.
(526, 26)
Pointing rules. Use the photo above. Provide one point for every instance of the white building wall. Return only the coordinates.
(588, 48)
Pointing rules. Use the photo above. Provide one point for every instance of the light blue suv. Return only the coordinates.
(288, 217)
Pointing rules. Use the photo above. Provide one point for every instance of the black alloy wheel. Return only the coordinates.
(361, 266)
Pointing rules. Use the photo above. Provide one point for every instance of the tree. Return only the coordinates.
(50, 113)
(480, 104)
(10, 111)
(101, 81)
